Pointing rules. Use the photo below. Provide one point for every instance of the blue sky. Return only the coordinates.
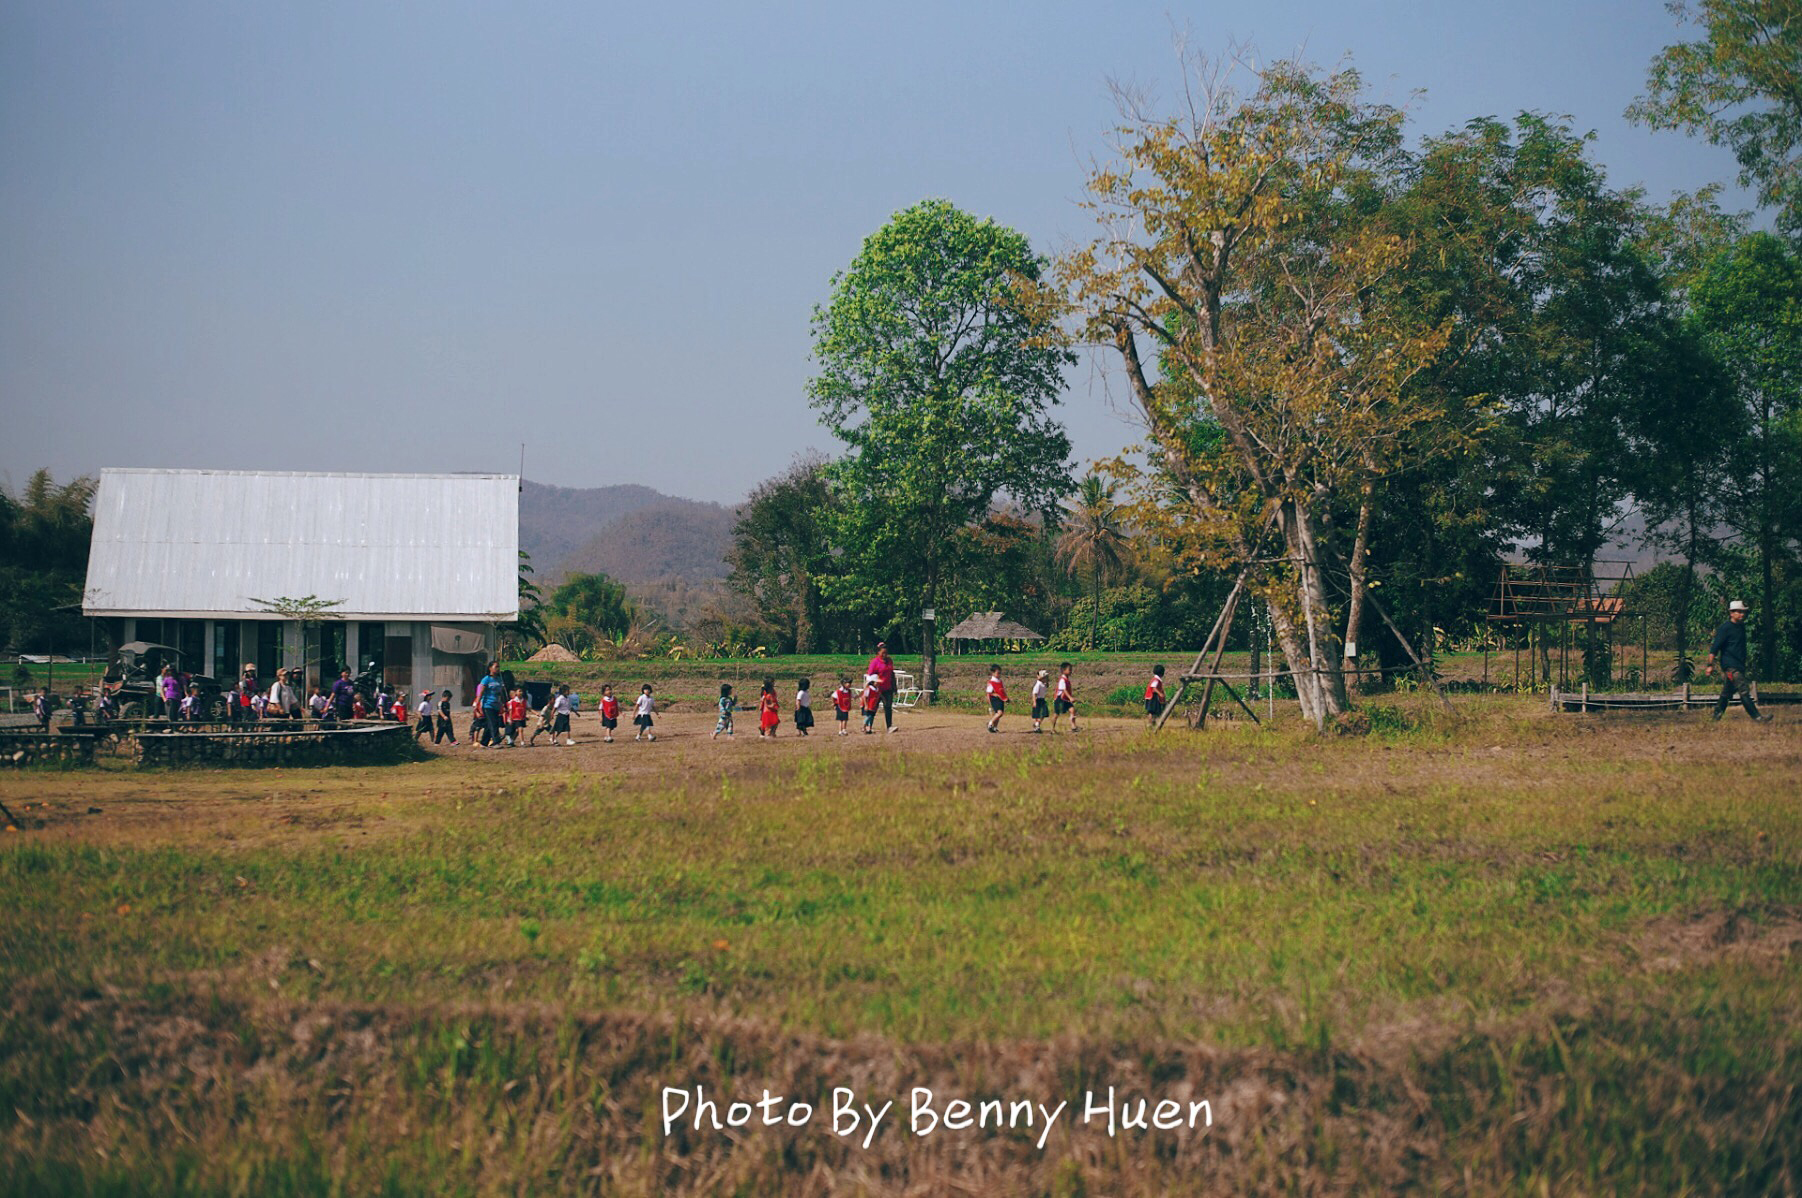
(368, 236)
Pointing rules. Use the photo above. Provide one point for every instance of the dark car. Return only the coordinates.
(132, 675)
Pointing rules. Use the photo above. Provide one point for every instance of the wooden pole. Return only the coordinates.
(1225, 618)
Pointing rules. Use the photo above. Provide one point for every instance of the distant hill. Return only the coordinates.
(673, 538)
(556, 521)
(630, 533)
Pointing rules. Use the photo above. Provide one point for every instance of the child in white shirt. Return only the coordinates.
(642, 709)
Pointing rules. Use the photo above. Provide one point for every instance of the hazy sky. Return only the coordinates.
(370, 236)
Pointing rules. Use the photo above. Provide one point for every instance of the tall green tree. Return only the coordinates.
(1564, 294)
(781, 546)
(1748, 305)
(593, 602)
(1739, 86)
(939, 363)
(1093, 540)
(45, 530)
(1681, 452)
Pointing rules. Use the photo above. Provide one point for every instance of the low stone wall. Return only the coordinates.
(153, 743)
(271, 744)
(33, 746)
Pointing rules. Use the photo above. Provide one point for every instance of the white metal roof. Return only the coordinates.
(391, 546)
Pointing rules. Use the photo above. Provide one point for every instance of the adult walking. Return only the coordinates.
(491, 691)
(882, 668)
(284, 701)
(344, 697)
(1729, 648)
(169, 692)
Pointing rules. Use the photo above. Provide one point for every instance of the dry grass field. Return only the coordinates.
(1509, 952)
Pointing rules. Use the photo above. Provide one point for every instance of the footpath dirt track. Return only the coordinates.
(124, 806)
(1532, 751)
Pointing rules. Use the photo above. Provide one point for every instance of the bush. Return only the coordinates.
(1135, 618)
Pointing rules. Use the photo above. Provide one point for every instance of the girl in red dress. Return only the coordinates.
(767, 709)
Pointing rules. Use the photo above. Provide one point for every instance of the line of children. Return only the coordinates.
(515, 716)
(1064, 702)
(554, 717)
(556, 714)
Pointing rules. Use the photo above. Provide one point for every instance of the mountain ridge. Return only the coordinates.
(631, 533)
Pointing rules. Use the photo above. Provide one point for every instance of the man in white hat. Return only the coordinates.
(1730, 649)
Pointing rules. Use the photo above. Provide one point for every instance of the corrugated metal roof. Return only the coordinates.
(208, 542)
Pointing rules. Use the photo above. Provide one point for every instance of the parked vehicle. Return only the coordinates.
(131, 679)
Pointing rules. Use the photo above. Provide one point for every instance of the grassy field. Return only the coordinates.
(1505, 953)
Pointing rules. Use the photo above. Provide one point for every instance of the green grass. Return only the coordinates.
(1552, 949)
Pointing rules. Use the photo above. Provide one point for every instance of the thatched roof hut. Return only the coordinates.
(990, 626)
(553, 652)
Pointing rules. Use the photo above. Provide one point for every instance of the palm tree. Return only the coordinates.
(1095, 540)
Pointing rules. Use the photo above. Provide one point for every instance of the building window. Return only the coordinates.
(225, 652)
(327, 653)
(370, 647)
(397, 652)
(188, 637)
(269, 648)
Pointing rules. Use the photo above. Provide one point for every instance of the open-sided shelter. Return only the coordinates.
(419, 570)
(991, 626)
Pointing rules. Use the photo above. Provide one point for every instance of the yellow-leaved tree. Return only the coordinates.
(1254, 292)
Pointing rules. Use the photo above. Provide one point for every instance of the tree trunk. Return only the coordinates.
(1767, 615)
(807, 628)
(929, 657)
(1311, 647)
(1095, 611)
(1354, 618)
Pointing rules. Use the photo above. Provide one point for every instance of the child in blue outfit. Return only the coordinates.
(726, 708)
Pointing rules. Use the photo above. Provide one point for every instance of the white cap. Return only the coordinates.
(1737, 605)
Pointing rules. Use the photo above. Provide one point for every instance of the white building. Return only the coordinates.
(422, 567)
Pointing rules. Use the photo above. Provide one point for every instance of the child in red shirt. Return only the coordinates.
(609, 713)
(872, 699)
(841, 705)
(1154, 695)
(997, 699)
(516, 717)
